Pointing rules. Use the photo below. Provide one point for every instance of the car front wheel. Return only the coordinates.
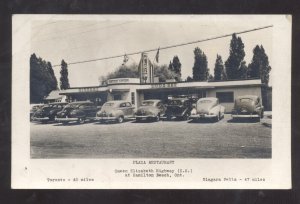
(120, 119)
(81, 120)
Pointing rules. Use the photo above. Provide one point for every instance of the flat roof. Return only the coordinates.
(164, 85)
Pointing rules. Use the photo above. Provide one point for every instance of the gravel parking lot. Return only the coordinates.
(163, 139)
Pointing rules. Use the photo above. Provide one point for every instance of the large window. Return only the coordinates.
(117, 97)
(225, 97)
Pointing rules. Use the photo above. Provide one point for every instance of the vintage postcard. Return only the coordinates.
(151, 102)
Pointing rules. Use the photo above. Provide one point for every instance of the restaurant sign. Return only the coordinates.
(164, 85)
(89, 89)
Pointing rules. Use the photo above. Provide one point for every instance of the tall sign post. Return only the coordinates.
(146, 69)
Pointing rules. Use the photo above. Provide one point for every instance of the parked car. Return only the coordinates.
(115, 111)
(208, 108)
(248, 106)
(79, 111)
(34, 108)
(179, 108)
(150, 109)
(48, 112)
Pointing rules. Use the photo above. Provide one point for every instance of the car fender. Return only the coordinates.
(185, 111)
(118, 113)
(215, 110)
(79, 113)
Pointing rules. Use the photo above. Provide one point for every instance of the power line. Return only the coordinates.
(171, 46)
(80, 33)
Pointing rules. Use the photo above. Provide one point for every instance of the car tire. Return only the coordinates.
(81, 120)
(217, 117)
(157, 118)
(169, 117)
(120, 119)
(185, 117)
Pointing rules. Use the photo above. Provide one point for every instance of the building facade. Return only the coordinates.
(131, 89)
(135, 90)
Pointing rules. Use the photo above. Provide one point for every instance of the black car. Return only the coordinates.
(79, 111)
(179, 108)
(48, 112)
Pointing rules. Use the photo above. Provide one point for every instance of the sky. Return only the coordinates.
(85, 39)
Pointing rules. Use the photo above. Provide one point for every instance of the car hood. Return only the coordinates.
(42, 112)
(147, 109)
(65, 112)
(107, 109)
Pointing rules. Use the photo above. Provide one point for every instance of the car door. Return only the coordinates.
(91, 110)
(122, 108)
(161, 108)
(129, 109)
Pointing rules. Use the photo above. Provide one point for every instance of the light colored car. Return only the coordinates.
(150, 109)
(208, 108)
(248, 106)
(115, 111)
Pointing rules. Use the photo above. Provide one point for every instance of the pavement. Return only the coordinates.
(163, 139)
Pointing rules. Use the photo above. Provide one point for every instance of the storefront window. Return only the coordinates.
(117, 97)
(225, 97)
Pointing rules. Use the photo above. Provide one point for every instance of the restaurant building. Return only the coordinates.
(145, 87)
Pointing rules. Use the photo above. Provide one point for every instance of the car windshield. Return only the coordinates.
(246, 100)
(148, 103)
(205, 101)
(175, 102)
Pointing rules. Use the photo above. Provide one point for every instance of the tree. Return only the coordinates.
(124, 71)
(189, 79)
(42, 79)
(53, 81)
(175, 66)
(235, 58)
(219, 73)
(259, 66)
(164, 73)
(210, 77)
(64, 80)
(243, 71)
(200, 70)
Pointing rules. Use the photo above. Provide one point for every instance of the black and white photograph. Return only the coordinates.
(153, 88)
(132, 89)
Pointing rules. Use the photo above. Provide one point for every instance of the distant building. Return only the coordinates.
(54, 96)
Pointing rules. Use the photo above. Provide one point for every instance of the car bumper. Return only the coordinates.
(245, 116)
(66, 119)
(105, 118)
(144, 117)
(198, 116)
(41, 119)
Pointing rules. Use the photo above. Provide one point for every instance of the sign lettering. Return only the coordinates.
(163, 85)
